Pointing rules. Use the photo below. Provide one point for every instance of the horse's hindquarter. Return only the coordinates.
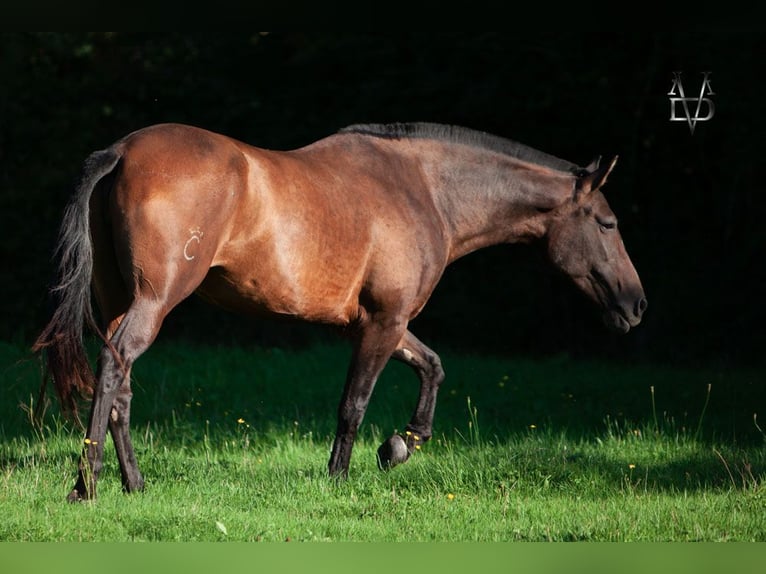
(322, 228)
(169, 208)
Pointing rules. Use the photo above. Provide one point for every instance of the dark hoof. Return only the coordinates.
(75, 496)
(392, 452)
(136, 486)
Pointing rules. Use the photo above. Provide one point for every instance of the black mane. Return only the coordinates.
(465, 136)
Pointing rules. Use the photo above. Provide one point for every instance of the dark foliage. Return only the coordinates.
(690, 207)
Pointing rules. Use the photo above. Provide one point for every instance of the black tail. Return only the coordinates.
(62, 338)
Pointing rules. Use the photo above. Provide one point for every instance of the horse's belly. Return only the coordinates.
(272, 294)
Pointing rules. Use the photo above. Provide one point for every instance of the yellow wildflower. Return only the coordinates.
(450, 496)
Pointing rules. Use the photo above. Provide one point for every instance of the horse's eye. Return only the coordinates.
(603, 226)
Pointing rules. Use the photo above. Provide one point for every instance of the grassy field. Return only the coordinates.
(234, 444)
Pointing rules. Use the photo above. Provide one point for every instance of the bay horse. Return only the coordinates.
(353, 230)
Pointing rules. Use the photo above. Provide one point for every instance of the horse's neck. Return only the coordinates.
(497, 201)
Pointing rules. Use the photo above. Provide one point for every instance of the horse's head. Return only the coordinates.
(585, 243)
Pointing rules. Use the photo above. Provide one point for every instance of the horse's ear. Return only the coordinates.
(596, 178)
(593, 165)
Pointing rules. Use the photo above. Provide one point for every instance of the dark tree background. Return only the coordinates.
(690, 206)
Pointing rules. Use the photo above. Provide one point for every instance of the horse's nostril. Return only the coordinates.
(640, 307)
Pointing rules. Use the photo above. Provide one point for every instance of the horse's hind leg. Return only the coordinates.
(114, 300)
(111, 396)
(119, 427)
(114, 303)
(398, 448)
(119, 424)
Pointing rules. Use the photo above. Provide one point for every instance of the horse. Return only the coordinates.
(354, 230)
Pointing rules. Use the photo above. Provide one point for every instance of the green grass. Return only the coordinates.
(234, 444)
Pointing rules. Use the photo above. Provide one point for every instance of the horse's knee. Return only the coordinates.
(437, 371)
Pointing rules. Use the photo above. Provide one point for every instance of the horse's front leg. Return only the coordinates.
(376, 340)
(399, 447)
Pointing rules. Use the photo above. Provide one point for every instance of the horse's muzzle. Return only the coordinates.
(625, 314)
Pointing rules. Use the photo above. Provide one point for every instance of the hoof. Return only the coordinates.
(75, 496)
(392, 452)
(133, 486)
